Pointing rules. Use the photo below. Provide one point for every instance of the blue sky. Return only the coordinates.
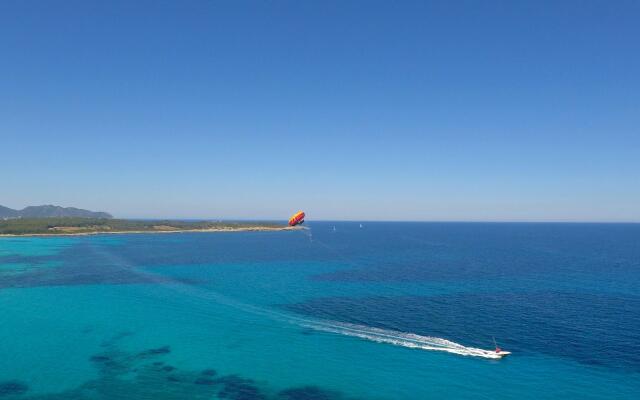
(501, 111)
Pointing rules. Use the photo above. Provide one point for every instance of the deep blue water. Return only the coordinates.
(324, 313)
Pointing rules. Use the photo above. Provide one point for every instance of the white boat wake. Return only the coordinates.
(410, 340)
(397, 338)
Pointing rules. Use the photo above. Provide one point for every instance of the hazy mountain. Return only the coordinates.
(48, 211)
(6, 212)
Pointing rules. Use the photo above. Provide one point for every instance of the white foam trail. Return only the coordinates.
(410, 340)
(397, 338)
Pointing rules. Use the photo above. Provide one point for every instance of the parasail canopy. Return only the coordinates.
(296, 218)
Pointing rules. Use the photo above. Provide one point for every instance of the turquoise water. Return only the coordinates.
(350, 313)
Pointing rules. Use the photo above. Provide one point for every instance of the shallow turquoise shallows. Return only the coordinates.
(337, 311)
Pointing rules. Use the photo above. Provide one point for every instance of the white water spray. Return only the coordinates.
(403, 339)
(397, 338)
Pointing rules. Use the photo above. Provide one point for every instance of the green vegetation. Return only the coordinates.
(61, 226)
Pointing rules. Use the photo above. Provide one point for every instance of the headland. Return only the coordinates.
(94, 226)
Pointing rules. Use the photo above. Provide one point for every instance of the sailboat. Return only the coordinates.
(501, 353)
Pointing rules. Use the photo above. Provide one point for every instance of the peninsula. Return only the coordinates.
(89, 226)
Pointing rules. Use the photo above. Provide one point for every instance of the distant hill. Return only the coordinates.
(49, 211)
(6, 212)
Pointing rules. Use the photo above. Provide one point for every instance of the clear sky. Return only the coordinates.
(365, 110)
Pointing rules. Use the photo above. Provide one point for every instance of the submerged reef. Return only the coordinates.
(145, 374)
(11, 388)
(308, 393)
(155, 352)
(209, 372)
(237, 388)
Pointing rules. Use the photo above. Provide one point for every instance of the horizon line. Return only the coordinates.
(391, 220)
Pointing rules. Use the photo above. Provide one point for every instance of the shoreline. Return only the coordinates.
(229, 229)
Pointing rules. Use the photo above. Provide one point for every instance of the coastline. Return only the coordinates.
(108, 232)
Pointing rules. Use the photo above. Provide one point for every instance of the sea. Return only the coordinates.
(338, 310)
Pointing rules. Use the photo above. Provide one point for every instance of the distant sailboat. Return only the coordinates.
(360, 225)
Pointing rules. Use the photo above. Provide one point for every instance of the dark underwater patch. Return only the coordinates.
(155, 351)
(19, 259)
(595, 329)
(308, 393)
(114, 363)
(127, 375)
(89, 262)
(13, 388)
(237, 388)
(99, 358)
(85, 263)
(72, 275)
(204, 381)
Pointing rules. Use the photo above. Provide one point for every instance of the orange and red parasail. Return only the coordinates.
(296, 219)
